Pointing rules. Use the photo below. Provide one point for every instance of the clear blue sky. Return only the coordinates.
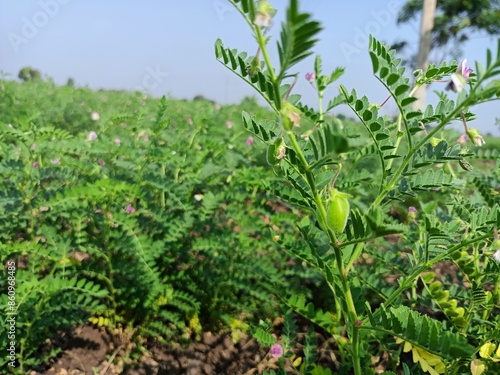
(166, 47)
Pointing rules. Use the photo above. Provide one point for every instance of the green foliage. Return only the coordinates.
(297, 38)
(157, 225)
(411, 209)
(421, 331)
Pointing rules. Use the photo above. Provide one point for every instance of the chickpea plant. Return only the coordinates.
(448, 210)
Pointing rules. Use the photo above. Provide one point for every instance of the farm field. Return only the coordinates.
(144, 235)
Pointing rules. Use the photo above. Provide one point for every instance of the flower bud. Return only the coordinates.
(475, 137)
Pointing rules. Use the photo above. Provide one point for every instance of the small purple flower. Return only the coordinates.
(100, 162)
(249, 141)
(466, 71)
(229, 124)
(129, 209)
(463, 139)
(311, 77)
(412, 214)
(460, 78)
(276, 351)
(92, 136)
(118, 141)
(35, 165)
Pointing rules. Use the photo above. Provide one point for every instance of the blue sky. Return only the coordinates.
(166, 47)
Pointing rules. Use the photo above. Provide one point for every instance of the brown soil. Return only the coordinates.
(88, 350)
(91, 351)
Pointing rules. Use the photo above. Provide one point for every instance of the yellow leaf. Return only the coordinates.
(487, 350)
(477, 367)
(407, 347)
(416, 356)
(297, 362)
(497, 354)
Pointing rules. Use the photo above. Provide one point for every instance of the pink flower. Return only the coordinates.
(217, 107)
(95, 116)
(412, 214)
(229, 124)
(463, 139)
(35, 165)
(100, 162)
(311, 77)
(129, 209)
(146, 138)
(249, 141)
(92, 136)
(118, 141)
(466, 71)
(460, 78)
(189, 120)
(276, 351)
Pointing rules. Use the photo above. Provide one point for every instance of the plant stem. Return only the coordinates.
(352, 318)
(262, 44)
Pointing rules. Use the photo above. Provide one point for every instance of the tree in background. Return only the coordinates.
(454, 21)
(425, 46)
(29, 74)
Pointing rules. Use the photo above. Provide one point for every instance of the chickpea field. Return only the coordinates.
(146, 235)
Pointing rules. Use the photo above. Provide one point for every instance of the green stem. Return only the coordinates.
(320, 106)
(400, 134)
(351, 314)
(262, 44)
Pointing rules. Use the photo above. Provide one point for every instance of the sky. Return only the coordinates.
(167, 47)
